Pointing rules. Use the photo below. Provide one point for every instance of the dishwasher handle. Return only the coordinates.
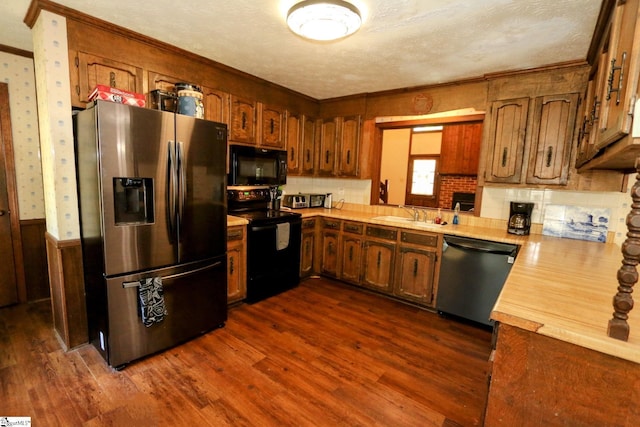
(480, 249)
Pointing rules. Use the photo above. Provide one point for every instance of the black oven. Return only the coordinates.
(273, 242)
(256, 166)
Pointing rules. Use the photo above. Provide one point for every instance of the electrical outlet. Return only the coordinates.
(341, 192)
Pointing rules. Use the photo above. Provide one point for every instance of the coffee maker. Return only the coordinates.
(520, 218)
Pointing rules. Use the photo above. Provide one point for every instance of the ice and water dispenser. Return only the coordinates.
(133, 199)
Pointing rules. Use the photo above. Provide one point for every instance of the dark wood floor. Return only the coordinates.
(323, 354)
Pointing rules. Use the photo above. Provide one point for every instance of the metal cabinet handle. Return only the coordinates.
(231, 265)
(308, 156)
(326, 156)
(415, 267)
(620, 79)
(379, 259)
(549, 155)
(348, 156)
(272, 126)
(504, 157)
(112, 79)
(293, 155)
(2, 212)
(244, 120)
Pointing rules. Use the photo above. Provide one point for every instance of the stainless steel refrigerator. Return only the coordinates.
(153, 216)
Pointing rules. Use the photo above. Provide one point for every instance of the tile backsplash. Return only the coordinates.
(357, 191)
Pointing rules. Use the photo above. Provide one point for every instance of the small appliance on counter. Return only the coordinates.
(304, 200)
(520, 218)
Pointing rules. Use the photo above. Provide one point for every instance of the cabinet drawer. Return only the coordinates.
(382, 233)
(353, 227)
(235, 234)
(419, 239)
(331, 224)
(308, 223)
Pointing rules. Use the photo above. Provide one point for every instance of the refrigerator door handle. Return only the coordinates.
(182, 188)
(171, 189)
(136, 283)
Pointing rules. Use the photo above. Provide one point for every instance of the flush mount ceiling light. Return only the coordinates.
(324, 20)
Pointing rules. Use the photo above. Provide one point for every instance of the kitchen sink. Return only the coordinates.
(406, 220)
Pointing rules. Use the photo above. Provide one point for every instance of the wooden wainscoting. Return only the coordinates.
(67, 291)
(34, 255)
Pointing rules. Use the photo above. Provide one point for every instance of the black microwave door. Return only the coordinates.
(251, 166)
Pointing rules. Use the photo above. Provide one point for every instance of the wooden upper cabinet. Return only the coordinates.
(308, 146)
(621, 73)
(328, 140)
(272, 126)
(552, 131)
(349, 143)
(159, 81)
(242, 122)
(92, 70)
(507, 138)
(216, 105)
(294, 141)
(460, 148)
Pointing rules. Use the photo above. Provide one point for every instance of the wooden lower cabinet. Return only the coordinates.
(236, 264)
(307, 248)
(414, 280)
(378, 261)
(351, 246)
(330, 247)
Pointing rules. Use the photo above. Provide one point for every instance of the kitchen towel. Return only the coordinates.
(282, 235)
(151, 295)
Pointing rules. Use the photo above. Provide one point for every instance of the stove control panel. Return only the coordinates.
(248, 194)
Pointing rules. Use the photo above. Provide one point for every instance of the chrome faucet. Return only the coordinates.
(415, 213)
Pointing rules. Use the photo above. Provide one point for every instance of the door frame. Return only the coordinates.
(6, 139)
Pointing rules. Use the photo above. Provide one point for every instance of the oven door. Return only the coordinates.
(272, 267)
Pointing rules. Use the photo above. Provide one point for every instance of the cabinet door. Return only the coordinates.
(308, 145)
(460, 148)
(552, 129)
(506, 138)
(349, 142)
(216, 105)
(94, 70)
(236, 265)
(306, 254)
(330, 241)
(272, 127)
(351, 258)
(294, 141)
(378, 259)
(243, 120)
(623, 68)
(416, 275)
(328, 140)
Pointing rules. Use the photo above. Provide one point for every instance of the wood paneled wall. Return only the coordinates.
(67, 291)
(35, 258)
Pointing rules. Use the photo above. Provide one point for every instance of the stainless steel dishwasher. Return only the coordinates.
(472, 274)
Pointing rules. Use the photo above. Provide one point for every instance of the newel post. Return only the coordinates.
(628, 272)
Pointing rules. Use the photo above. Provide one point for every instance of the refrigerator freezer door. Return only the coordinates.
(202, 213)
(195, 298)
(134, 146)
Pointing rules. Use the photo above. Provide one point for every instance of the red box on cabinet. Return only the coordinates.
(120, 96)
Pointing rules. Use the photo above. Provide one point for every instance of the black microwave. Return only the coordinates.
(256, 166)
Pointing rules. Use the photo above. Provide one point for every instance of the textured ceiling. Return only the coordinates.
(402, 43)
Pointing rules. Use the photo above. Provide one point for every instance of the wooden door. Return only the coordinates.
(328, 140)
(93, 70)
(506, 140)
(294, 142)
(378, 258)
(236, 265)
(308, 145)
(272, 127)
(9, 221)
(242, 127)
(552, 129)
(349, 143)
(330, 242)
(424, 188)
(460, 148)
(415, 278)
(623, 70)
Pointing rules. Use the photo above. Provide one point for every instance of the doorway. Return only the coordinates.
(10, 238)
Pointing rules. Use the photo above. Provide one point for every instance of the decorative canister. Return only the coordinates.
(190, 100)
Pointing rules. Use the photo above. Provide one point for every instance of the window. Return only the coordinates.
(422, 181)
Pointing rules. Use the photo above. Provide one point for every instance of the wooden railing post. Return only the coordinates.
(628, 272)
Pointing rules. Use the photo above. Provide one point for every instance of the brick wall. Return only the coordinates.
(450, 184)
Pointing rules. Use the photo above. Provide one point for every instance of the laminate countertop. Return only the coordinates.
(560, 288)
